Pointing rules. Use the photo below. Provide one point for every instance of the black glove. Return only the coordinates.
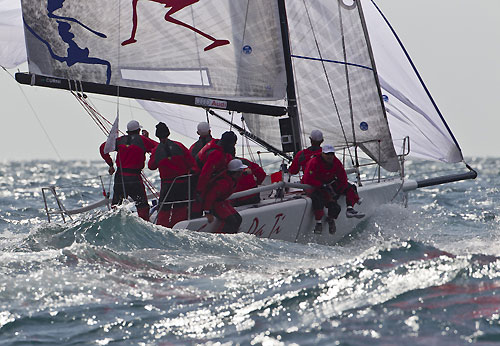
(284, 168)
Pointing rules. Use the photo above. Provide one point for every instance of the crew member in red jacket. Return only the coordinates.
(251, 177)
(203, 130)
(175, 163)
(301, 159)
(326, 174)
(214, 158)
(130, 160)
(216, 203)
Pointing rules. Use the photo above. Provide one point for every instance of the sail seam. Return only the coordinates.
(331, 61)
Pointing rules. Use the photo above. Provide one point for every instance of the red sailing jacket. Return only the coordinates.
(173, 159)
(214, 162)
(250, 180)
(318, 172)
(302, 158)
(218, 191)
(199, 144)
(131, 155)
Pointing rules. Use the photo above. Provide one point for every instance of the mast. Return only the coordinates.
(293, 113)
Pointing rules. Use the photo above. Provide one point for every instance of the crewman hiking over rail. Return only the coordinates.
(215, 202)
(326, 174)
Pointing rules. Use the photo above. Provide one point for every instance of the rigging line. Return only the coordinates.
(299, 103)
(196, 38)
(246, 142)
(348, 91)
(243, 139)
(40, 123)
(332, 61)
(327, 78)
(94, 115)
(118, 100)
(99, 116)
(90, 113)
(5, 69)
(242, 41)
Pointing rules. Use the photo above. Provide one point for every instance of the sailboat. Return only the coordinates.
(288, 67)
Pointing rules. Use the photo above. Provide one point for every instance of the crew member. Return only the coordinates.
(175, 163)
(302, 157)
(130, 160)
(216, 203)
(326, 174)
(251, 177)
(203, 130)
(213, 159)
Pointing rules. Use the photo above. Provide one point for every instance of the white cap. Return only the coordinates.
(328, 149)
(203, 128)
(235, 165)
(133, 125)
(316, 135)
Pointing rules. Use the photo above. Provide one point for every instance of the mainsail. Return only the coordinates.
(198, 48)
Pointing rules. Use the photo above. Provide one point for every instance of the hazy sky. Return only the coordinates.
(455, 45)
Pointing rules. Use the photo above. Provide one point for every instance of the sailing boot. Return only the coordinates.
(332, 228)
(350, 213)
(318, 228)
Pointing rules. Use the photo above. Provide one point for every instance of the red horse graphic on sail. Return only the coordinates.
(175, 6)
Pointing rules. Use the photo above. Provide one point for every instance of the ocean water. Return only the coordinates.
(428, 274)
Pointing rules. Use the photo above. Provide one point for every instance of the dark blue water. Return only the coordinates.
(428, 274)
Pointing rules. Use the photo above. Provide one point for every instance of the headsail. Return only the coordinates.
(336, 83)
(410, 108)
(187, 47)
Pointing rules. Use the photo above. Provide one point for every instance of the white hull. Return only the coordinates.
(292, 218)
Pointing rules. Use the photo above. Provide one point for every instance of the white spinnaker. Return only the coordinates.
(410, 110)
(82, 40)
(12, 46)
(335, 82)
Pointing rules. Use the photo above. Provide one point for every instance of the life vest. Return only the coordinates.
(199, 144)
(129, 140)
(167, 150)
(203, 154)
